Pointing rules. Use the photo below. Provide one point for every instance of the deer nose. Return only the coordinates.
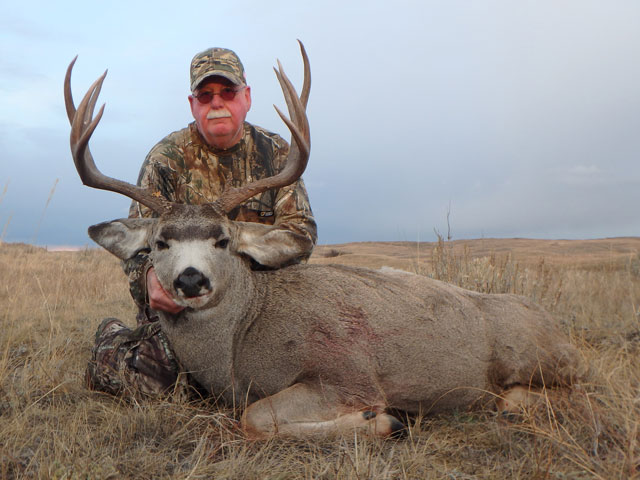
(191, 281)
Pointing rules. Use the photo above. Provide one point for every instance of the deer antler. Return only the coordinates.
(300, 144)
(82, 127)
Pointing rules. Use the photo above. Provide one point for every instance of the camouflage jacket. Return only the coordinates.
(184, 169)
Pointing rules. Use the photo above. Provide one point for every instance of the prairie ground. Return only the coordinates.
(51, 426)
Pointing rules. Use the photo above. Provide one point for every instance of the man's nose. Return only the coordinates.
(216, 101)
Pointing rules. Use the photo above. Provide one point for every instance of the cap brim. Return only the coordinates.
(232, 78)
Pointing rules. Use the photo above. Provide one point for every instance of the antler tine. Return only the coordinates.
(300, 142)
(68, 97)
(290, 95)
(82, 127)
(306, 84)
(298, 125)
(299, 150)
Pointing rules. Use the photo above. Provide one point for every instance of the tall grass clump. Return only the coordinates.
(51, 426)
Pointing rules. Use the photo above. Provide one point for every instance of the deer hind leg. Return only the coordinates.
(533, 379)
(304, 410)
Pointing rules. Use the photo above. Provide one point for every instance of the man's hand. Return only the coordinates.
(159, 299)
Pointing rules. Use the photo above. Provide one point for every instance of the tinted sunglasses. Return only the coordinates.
(227, 94)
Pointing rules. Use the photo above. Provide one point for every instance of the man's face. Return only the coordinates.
(220, 121)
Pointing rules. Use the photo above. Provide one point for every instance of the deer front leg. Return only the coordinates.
(304, 410)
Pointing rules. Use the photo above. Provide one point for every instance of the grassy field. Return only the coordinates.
(52, 427)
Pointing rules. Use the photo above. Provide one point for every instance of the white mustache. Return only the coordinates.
(221, 113)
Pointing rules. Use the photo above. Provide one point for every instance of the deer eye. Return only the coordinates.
(222, 243)
(160, 245)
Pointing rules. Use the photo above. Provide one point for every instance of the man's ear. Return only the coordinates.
(191, 99)
(247, 96)
(123, 237)
(269, 246)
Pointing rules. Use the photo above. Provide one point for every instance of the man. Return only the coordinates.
(194, 165)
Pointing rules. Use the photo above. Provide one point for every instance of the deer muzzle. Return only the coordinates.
(192, 283)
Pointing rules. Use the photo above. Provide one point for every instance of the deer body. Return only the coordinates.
(350, 342)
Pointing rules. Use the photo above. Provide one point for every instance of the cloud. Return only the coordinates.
(581, 175)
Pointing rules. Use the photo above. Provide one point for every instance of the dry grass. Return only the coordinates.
(52, 427)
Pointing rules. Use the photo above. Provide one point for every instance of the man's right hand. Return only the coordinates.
(159, 299)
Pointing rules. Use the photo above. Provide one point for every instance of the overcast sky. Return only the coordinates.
(520, 117)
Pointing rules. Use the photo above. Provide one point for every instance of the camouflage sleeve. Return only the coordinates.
(292, 210)
(156, 173)
(136, 269)
(295, 218)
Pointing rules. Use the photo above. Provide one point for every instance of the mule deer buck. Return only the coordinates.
(318, 349)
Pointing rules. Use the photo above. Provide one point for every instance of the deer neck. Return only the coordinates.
(204, 340)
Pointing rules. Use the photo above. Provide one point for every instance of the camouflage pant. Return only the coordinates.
(138, 361)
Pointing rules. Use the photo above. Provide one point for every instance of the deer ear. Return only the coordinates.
(268, 245)
(124, 237)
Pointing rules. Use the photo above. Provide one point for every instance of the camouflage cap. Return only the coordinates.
(216, 62)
